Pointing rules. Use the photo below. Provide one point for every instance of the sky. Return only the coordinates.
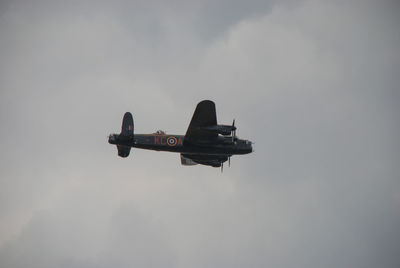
(313, 83)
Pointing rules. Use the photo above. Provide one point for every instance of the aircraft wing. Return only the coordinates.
(204, 116)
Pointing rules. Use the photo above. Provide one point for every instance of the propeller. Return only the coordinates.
(222, 167)
(233, 133)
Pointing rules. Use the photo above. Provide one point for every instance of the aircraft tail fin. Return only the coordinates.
(123, 151)
(127, 125)
(126, 134)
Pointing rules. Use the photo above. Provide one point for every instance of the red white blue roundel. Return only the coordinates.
(171, 141)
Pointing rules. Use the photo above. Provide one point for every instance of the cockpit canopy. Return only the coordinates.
(160, 132)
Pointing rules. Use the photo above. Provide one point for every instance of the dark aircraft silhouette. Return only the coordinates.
(205, 142)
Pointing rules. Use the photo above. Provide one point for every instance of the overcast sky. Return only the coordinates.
(315, 84)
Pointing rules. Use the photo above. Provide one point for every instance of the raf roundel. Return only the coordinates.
(171, 141)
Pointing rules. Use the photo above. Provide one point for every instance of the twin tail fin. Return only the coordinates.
(126, 134)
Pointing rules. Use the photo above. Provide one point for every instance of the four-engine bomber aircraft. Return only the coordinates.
(205, 142)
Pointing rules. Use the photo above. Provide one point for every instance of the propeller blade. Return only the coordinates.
(233, 131)
(229, 161)
(222, 167)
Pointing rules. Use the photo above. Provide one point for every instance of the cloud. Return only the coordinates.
(71, 237)
(313, 84)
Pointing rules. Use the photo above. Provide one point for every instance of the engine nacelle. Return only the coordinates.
(220, 129)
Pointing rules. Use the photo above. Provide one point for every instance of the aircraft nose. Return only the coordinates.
(251, 147)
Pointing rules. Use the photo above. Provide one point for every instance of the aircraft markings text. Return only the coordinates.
(167, 140)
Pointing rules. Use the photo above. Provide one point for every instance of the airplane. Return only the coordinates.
(205, 142)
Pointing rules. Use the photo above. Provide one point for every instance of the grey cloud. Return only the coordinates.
(207, 19)
(65, 238)
(313, 84)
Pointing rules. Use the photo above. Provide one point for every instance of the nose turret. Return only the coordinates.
(244, 146)
(250, 146)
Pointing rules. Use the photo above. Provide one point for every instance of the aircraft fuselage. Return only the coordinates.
(205, 142)
(176, 143)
